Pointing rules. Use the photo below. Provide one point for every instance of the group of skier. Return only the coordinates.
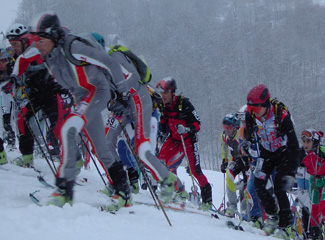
(48, 66)
(260, 142)
(51, 64)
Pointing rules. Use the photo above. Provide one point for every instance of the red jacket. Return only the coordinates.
(314, 165)
(182, 112)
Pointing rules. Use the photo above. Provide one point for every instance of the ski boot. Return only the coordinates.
(109, 190)
(315, 233)
(3, 158)
(122, 196)
(79, 165)
(63, 194)
(25, 161)
(167, 188)
(257, 222)
(181, 196)
(271, 223)
(206, 206)
(206, 194)
(231, 211)
(134, 180)
(285, 233)
(120, 199)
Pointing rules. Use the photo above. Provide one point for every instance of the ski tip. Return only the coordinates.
(214, 215)
(230, 224)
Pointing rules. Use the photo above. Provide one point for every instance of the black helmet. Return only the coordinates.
(46, 24)
(167, 84)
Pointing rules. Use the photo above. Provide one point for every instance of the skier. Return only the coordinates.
(34, 90)
(122, 146)
(233, 160)
(7, 101)
(315, 166)
(302, 176)
(91, 85)
(279, 150)
(254, 210)
(180, 120)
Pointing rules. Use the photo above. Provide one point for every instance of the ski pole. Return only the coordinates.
(193, 188)
(32, 133)
(41, 132)
(92, 158)
(137, 159)
(224, 193)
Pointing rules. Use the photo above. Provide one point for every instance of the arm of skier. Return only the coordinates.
(192, 118)
(292, 144)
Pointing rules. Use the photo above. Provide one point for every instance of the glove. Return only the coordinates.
(118, 105)
(224, 165)
(181, 129)
(7, 88)
(245, 160)
(188, 170)
(245, 146)
(63, 91)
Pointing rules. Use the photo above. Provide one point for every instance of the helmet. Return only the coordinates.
(45, 24)
(29, 38)
(99, 38)
(231, 120)
(167, 84)
(240, 114)
(4, 55)
(15, 31)
(311, 134)
(258, 95)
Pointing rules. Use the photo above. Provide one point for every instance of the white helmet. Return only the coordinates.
(4, 55)
(15, 31)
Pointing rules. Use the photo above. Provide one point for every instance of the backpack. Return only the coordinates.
(86, 38)
(278, 108)
(141, 66)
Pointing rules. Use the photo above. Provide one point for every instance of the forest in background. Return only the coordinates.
(217, 50)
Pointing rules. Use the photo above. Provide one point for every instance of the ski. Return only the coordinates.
(103, 209)
(180, 209)
(230, 224)
(44, 183)
(194, 207)
(35, 199)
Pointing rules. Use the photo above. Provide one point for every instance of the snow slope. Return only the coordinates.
(22, 219)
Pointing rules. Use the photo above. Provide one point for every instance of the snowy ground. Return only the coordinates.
(22, 219)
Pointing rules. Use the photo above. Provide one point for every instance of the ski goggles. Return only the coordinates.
(306, 135)
(254, 108)
(241, 116)
(227, 127)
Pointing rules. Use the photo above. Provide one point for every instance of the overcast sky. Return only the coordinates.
(8, 13)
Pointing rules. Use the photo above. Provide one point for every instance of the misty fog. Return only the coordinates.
(217, 50)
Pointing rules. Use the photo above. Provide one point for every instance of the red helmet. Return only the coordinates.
(167, 84)
(258, 95)
(29, 38)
